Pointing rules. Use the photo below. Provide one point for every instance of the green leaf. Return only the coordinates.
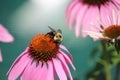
(115, 59)
(97, 72)
(91, 78)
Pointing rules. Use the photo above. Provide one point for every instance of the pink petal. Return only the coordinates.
(69, 9)
(94, 35)
(64, 48)
(59, 69)
(104, 11)
(43, 72)
(50, 74)
(73, 14)
(1, 56)
(79, 19)
(65, 66)
(18, 68)
(70, 56)
(18, 58)
(118, 18)
(68, 59)
(114, 17)
(91, 17)
(37, 71)
(113, 6)
(117, 1)
(26, 75)
(5, 36)
(118, 37)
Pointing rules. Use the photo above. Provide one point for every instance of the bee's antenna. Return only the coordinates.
(51, 28)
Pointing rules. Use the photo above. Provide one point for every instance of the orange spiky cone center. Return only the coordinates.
(43, 48)
(112, 31)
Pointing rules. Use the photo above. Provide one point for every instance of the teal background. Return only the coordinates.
(25, 19)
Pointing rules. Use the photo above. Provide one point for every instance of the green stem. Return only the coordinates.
(107, 71)
(106, 61)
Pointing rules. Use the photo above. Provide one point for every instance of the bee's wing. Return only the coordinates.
(59, 30)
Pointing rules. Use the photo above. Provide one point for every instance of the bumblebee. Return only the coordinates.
(56, 35)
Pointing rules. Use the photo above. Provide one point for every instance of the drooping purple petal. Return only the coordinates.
(26, 75)
(5, 36)
(37, 71)
(79, 19)
(94, 35)
(89, 21)
(113, 6)
(18, 58)
(50, 73)
(118, 18)
(1, 56)
(18, 68)
(40, 72)
(65, 66)
(43, 72)
(112, 13)
(73, 15)
(68, 59)
(104, 11)
(69, 9)
(69, 54)
(59, 69)
(118, 37)
(117, 3)
(114, 17)
(64, 48)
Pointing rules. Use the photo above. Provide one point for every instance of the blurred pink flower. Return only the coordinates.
(5, 37)
(41, 61)
(108, 28)
(81, 12)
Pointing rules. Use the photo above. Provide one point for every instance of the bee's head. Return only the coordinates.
(56, 35)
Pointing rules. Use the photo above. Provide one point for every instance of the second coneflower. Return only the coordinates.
(42, 59)
(107, 29)
(80, 12)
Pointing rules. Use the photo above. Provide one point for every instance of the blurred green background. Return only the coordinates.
(26, 18)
